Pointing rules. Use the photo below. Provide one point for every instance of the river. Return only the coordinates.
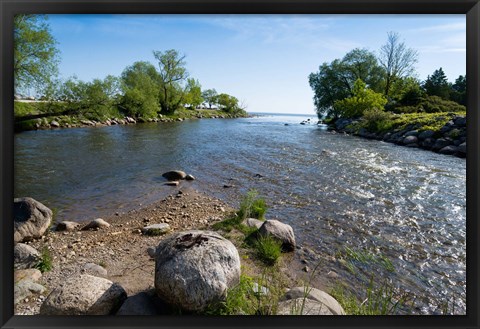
(338, 192)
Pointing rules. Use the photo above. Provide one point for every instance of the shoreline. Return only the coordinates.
(122, 250)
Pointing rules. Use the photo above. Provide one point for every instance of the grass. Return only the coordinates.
(154, 232)
(365, 257)
(267, 249)
(45, 263)
(379, 299)
(252, 206)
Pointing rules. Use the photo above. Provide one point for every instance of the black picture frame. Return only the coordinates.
(471, 8)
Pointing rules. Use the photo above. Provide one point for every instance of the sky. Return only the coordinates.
(263, 60)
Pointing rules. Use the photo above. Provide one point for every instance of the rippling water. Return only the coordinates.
(336, 191)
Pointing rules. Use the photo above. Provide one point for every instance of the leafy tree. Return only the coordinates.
(409, 91)
(141, 87)
(227, 103)
(363, 99)
(172, 74)
(397, 60)
(437, 84)
(335, 81)
(35, 54)
(458, 92)
(210, 96)
(194, 93)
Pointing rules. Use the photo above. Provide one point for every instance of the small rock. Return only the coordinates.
(172, 183)
(332, 275)
(282, 232)
(253, 222)
(96, 224)
(189, 177)
(139, 304)
(156, 229)
(151, 251)
(95, 269)
(66, 226)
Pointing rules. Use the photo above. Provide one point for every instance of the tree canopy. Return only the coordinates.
(35, 54)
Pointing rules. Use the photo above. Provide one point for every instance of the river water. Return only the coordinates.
(338, 192)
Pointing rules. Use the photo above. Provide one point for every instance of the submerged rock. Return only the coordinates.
(31, 219)
(174, 175)
(195, 268)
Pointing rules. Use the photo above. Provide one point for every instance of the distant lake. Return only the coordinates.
(335, 190)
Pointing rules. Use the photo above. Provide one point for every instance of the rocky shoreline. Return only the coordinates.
(118, 253)
(451, 139)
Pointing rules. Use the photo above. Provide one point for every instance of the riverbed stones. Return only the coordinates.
(84, 294)
(411, 139)
(426, 134)
(25, 256)
(194, 269)
(156, 229)
(31, 219)
(280, 231)
(174, 175)
(67, 226)
(315, 295)
(450, 149)
(97, 223)
(462, 149)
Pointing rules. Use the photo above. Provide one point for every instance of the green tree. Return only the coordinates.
(172, 74)
(228, 103)
(335, 81)
(210, 96)
(363, 99)
(437, 84)
(35, 54)
(141, 87)
(193, 96)
(397, 60)
(458, 92)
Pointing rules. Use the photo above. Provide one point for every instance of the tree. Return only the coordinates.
(458, 92)
(335, 81)
(194, 93)
(227, 103)
(35, 54)
(172, 74)
(363, 99)
(437, 84)
(141, 87)
(397, 60)
(210, 96)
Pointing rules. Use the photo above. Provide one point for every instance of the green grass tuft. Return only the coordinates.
(267, 249)
(45, 263)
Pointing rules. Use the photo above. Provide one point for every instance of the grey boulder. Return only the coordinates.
(31, 219)
(139, 304)
(195, 268)
(66, 226)
(25, 256)
(84, 294)
(302, 306)
(316, 295)
(96, 224)
(280, 231)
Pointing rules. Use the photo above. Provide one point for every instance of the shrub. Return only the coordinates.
(376, 120)
(363, 99)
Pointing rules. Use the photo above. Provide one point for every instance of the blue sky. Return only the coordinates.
(263, 60)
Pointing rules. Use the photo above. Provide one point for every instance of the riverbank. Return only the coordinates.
(444, 133)
(29, 117)
(120, 253)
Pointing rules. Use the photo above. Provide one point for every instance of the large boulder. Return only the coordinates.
(26, 288)
(84, 294)
(175, 175)
(449, 150)
(195, 268)
(316, 295)
(280, 231)
(25, 256)
(31, 219)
